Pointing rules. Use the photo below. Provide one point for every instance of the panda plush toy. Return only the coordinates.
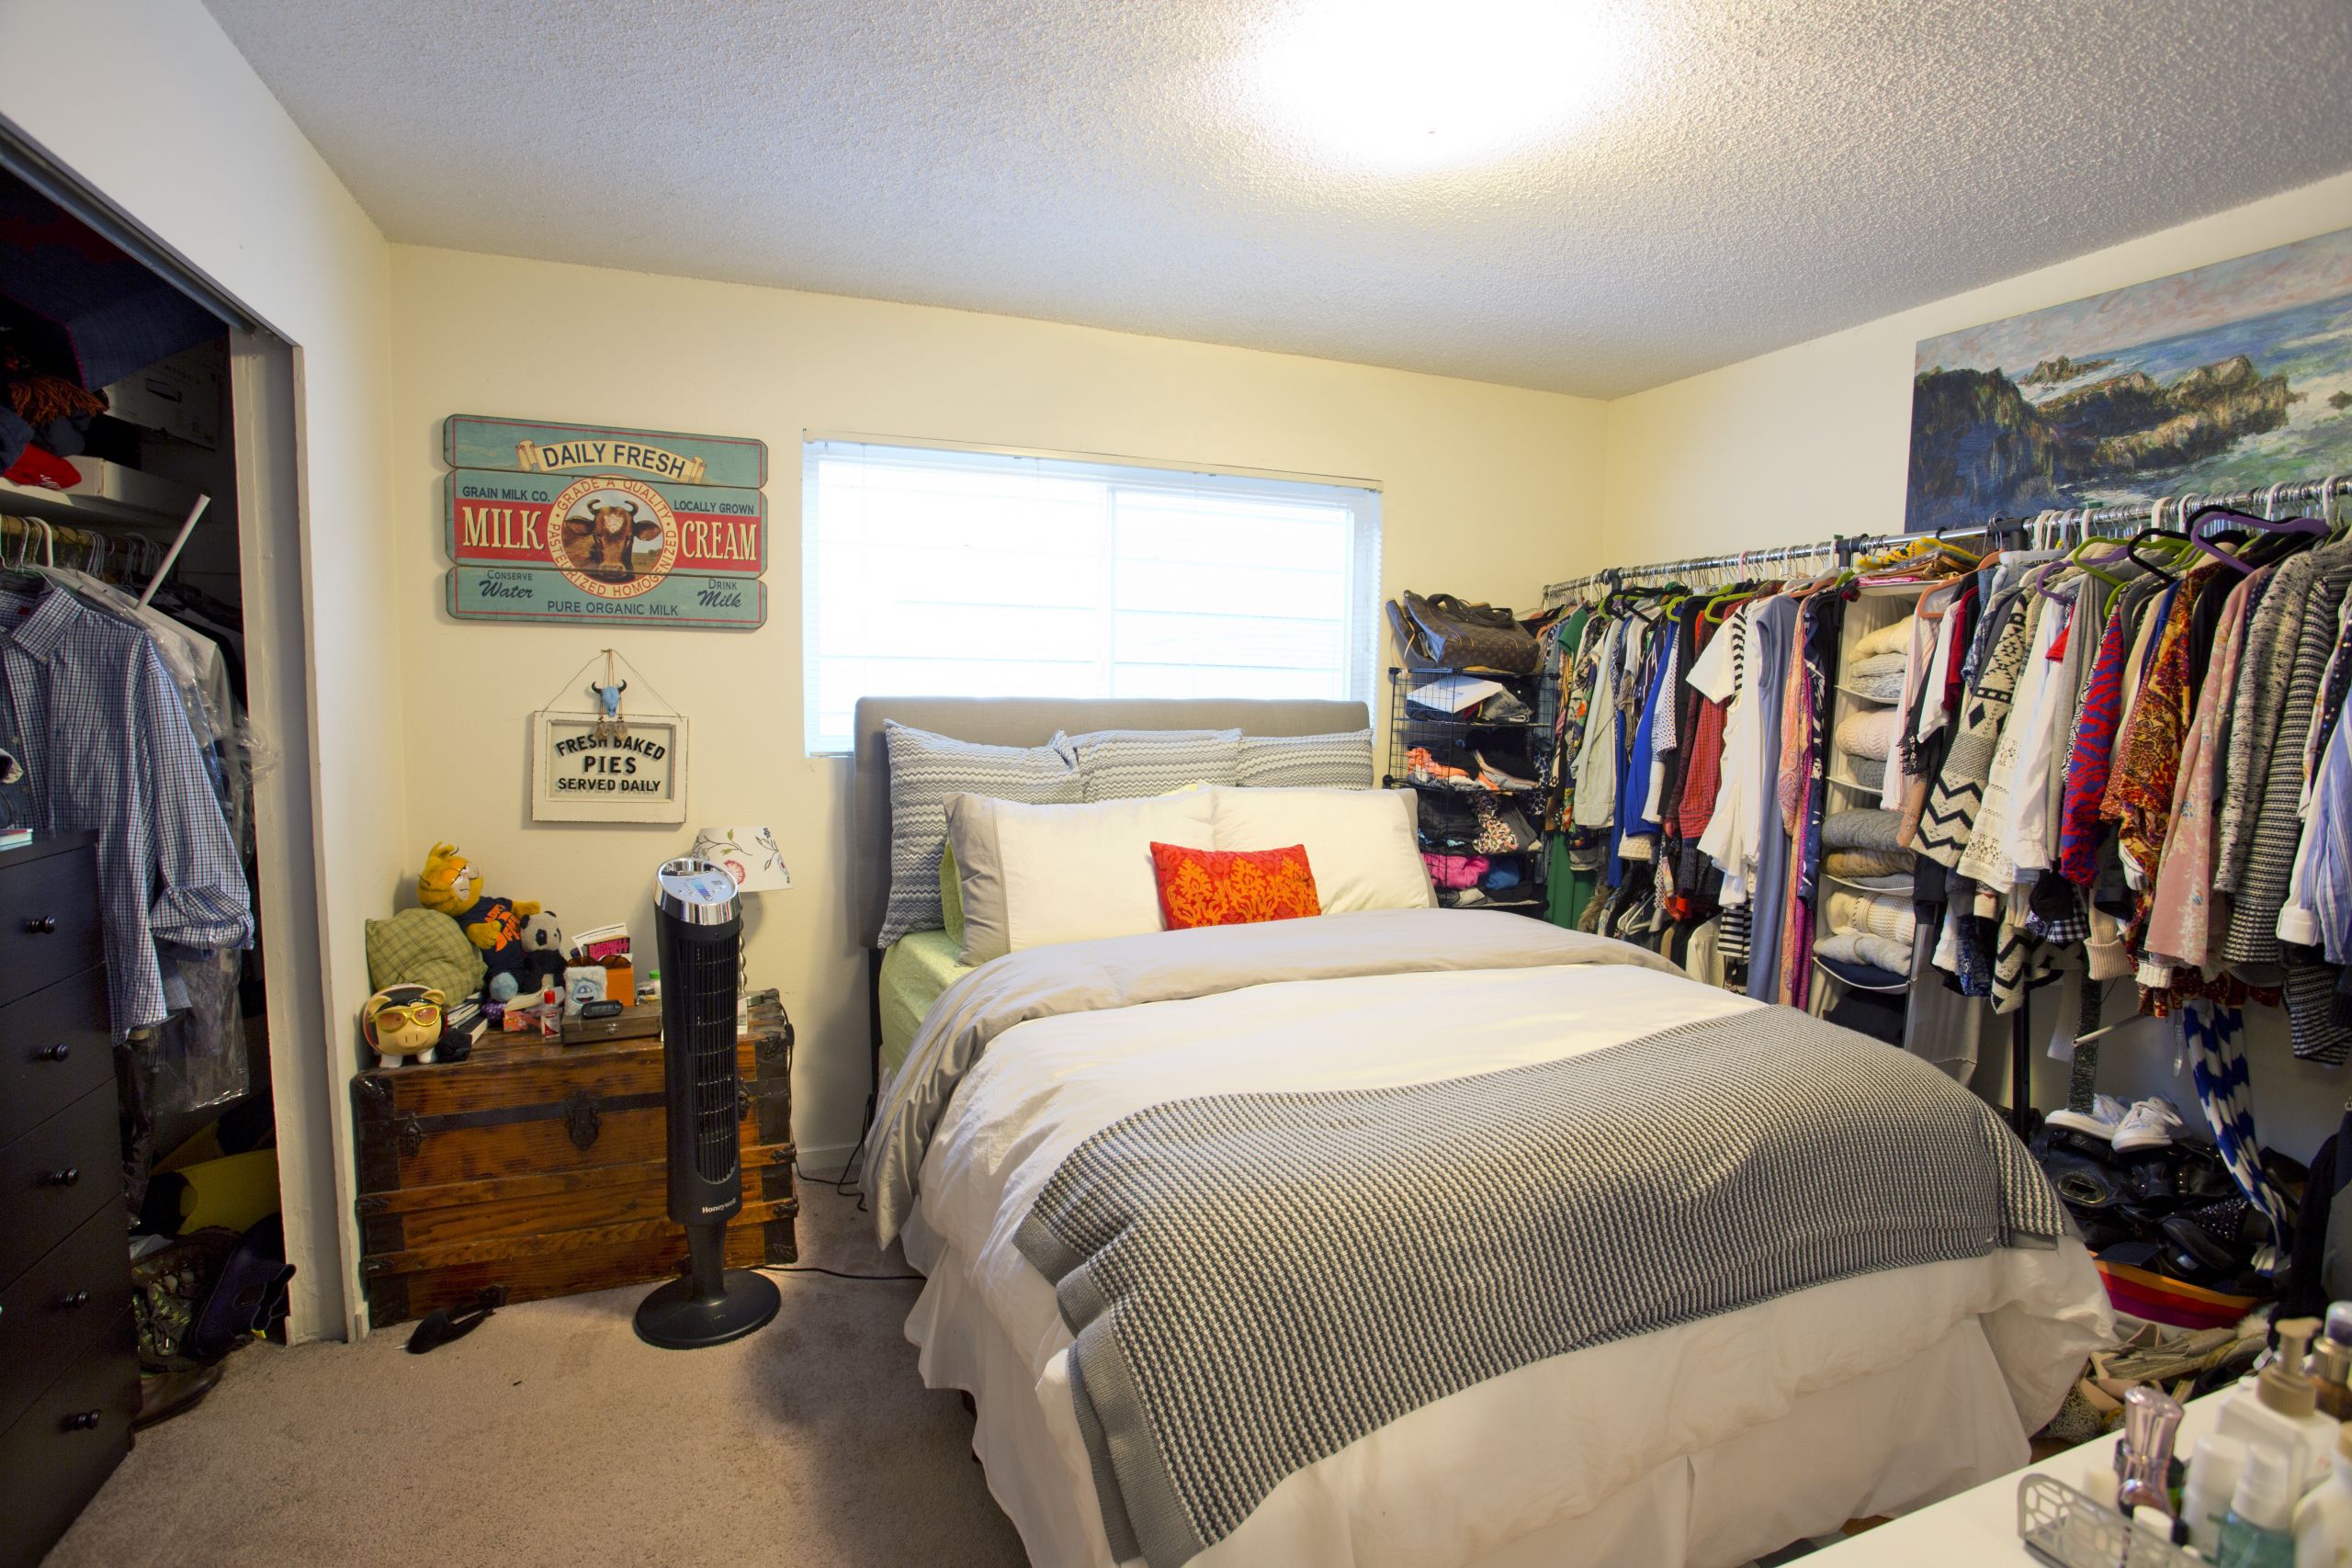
(540, 942)
(543, 949)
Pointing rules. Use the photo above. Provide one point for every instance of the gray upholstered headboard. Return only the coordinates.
(1031, 721)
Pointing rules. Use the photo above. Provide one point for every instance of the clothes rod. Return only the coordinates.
(2079, 519)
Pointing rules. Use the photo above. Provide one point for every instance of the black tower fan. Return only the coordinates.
(701, 940)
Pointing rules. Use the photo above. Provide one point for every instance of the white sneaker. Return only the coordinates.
(2149, 1124)
(2100, 1121)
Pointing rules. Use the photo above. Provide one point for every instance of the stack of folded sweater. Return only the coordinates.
(1869, 844)
(1871, 931)
(1869, 928)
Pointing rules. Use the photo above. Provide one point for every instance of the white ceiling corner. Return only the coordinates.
(1754, 173)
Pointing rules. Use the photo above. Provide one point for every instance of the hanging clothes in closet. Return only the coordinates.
(1680, 712)
(2126, 758)
(119, 719)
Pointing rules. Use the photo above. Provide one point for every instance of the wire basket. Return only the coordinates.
(2063, 1527)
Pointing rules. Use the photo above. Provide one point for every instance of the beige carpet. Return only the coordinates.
(551, 1435)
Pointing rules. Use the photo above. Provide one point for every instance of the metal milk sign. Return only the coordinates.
(571, 523)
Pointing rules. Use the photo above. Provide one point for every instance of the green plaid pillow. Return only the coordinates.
(423, 947)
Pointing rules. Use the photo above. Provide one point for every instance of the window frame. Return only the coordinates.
(1362, 497)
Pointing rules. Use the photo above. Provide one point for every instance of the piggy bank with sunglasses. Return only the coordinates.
(402, 1024)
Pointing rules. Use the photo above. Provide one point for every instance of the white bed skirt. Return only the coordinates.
(1518, 1472)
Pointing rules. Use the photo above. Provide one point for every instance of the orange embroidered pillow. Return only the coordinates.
(1232, 888)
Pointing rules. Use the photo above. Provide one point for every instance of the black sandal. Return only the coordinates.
(441, 1326)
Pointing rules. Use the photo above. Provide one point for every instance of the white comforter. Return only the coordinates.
(1522, 1459)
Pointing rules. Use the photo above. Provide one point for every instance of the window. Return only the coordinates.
(958, 573)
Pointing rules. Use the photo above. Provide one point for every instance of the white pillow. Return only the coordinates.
(1035, 875)
(1362, 844)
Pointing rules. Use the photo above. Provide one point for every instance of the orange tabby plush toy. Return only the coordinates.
(492, 924)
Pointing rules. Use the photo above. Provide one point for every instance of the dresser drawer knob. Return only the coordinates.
(66, 1177)
(72, 1299)
(44, 925)
(56, 1052)
(83, 1421)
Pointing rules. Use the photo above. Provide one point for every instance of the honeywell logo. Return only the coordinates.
(712, 1208)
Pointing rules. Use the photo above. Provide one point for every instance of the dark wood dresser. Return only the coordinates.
(69, 1362)
(538, 1169)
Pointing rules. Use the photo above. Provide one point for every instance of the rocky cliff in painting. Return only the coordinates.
(1981, 449)
(2059, 369)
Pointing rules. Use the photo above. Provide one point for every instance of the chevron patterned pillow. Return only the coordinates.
(925, 769)
(1129, 764)
(1306, 762)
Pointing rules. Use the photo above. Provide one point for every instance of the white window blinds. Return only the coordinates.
(953, 573)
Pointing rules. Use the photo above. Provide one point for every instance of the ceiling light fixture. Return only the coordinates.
(1420, 86)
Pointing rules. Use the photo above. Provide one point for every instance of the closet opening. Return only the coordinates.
(156, 782)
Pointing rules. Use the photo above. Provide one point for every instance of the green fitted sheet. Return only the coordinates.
(917, 967)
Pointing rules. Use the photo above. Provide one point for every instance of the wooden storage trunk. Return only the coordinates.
(538, 1168)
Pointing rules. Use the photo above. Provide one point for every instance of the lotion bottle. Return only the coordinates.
(2323, 1518)
(2255, 1532)
(2214, 1467)
(2279, 1409)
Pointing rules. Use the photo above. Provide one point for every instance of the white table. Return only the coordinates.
(1979, 1528)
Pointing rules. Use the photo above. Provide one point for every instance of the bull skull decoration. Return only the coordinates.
(609, 722)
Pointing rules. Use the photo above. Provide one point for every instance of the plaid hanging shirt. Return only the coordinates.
(107, 748)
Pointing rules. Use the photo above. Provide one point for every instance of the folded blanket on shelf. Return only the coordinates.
(1854, 866)
(1890, 917)
(1860, 947)
(1861, 829)
(1877, 664)
(1894, 637)
(1869, 734)
(1876, 688)
(1868, 772)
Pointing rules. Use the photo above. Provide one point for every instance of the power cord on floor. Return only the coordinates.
(840, 1184)
(812, 1269)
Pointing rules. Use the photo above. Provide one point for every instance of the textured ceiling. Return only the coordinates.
(1714, 178)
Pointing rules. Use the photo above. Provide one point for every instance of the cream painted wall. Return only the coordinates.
(149, 102)
(1814, 440)
(1484, 490)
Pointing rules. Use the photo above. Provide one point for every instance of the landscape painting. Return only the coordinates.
(2230, 378)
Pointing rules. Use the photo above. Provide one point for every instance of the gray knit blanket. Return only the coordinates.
(1256, 1280)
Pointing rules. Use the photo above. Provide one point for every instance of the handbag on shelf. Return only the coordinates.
(1440, 631)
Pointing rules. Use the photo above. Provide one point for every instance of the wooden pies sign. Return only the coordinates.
(573, 522)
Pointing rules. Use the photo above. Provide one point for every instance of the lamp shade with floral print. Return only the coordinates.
(749, 854)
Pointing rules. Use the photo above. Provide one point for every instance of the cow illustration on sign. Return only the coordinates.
(610, 527)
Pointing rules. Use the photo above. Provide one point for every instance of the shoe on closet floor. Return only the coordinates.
(2100, 1121)
(2149, 1124)
(1502, 709)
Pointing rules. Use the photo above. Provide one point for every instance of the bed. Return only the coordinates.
(1661, 1434)
(914, 970)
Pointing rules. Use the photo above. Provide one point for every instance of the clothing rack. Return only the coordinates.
(2069, 527)
(2047, 529)
(93, 539)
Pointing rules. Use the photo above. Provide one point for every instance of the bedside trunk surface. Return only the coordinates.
(540, 1169)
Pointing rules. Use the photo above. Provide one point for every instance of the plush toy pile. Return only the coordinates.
(461, 943)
